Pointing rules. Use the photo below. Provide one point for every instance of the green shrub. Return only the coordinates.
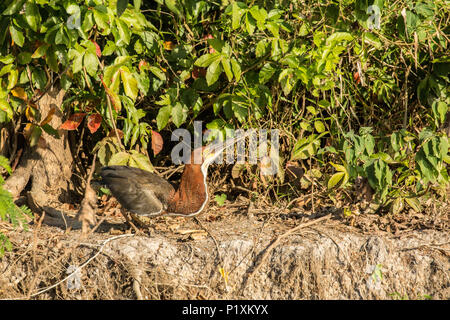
(17, 216)
(349, 99)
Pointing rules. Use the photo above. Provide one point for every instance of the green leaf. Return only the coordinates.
(240, 112)
(205, 60)
(137, 4)
(17, 35)
(338, 37)
(14, 7)
(66, 82)
(266, 72)
(50, 130)
(140, 161)
(304, 29)
(306, 147)
(39, 78)
(236, 67)
(129, 82)
(40, 52)
(109, 48)
(7, 59)
(220, 199)
(173, 6)
(213, 72)
(5, 106)
(124, 33)
(335, 178)
(12, 79)
(414, 203)
(32, 15)
(158, 72)
(51, 59)
(320, 127)
(286, 80)
(88, 22)
(260, 15)
(178, 114)
(312, 110)
(339, 167)
(77, 64)
(101, 17)
(217, 44)
(6, 69)
(261, 48)
(227, 68)
(61, 38)
(119, 159)
(273, 28)
(236, 16)
(397, 206)
(162, 119)
(90, 62)
(373, 40)
(305, 126)
(442, 110)
(250, 24)
(121, 6)
(4, 163)
(35, 135)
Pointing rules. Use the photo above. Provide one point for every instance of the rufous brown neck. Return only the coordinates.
(191, 194)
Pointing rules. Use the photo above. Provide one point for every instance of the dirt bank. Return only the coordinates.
(248, 257)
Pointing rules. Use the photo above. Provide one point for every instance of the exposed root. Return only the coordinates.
(88, 208)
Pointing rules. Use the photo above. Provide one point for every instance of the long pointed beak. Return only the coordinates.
(214, 150)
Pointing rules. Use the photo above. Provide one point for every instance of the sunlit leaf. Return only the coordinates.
(320, 127)
(157, 143)
(129, 83)
(73, 122)
(158, 72)
(227, 68)
(32, 15)
(94, 121)
(207, 59)
(213, 72)
(14, 7)
(90, 63)
(334, 180)
(20, 93)
(16, 35)
(179, 115)
(119, 159)
(140, 161)
(162, 119)
(414, 203)
(6, 107)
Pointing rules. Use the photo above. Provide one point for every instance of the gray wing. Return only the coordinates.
(138, 191)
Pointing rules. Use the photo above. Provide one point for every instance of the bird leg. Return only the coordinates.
(129, 221)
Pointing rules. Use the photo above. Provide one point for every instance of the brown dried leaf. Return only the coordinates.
(157, 142)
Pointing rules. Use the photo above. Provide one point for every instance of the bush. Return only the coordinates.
(352, 95)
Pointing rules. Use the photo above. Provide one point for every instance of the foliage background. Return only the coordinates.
(350, 101)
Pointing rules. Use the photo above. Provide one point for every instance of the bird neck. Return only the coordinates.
(192, 194)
